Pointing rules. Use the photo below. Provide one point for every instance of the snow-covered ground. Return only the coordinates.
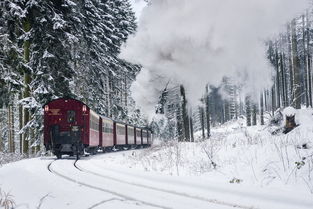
(238, 167)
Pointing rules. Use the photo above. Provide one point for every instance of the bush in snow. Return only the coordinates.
(10, 157)
(6, 200)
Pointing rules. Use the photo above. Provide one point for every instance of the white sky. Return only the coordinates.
(138, 5)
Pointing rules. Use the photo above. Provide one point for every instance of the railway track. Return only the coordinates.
(124, 197)
(185, 195)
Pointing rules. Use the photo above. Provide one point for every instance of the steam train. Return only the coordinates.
(72, 128)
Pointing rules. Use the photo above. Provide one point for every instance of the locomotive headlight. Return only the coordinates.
(84, 108)
(46, 108)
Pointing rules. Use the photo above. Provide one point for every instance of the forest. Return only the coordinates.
(52, 49)
(64, 48)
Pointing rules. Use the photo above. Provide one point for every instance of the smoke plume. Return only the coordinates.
(200, 41)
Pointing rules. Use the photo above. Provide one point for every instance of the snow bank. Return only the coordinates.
(238, 154)
(9, 157)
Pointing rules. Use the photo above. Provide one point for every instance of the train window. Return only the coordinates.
(120, 130)
(130, 132)
(108, 128)
(71, 116)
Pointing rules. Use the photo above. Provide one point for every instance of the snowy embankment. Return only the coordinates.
(237, 154)
(238, 167)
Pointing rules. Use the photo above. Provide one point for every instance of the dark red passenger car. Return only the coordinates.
(71, 127)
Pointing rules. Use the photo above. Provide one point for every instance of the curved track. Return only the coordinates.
(145, 193)
(185, 195)
(124, 197)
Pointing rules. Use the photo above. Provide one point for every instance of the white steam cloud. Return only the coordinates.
(200, 41)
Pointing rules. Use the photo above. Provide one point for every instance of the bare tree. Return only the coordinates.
(254, 113)
(191, 126)
(207, 104)
(248, 110)
(308, 59)
(11, 129)
(185, 117)
(201, 112)
(277, 77)
(295, 67)
(262, 109)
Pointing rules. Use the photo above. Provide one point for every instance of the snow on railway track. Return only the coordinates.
(205, 189)
(182, 194)
(100, 182)
(127, 191)
(124, 197)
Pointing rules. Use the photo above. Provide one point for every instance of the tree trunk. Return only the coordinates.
(291, 89)
(201, 111)
(1, 141)
(32, 142)
(308, 57)
(262, 109)
(27, 81)
(273, 100)
(296, 67)
(265, 100)
(277, 77)
(11, 129)
(248, 110)
(179, 125)
(207, 104)
(185, 116)
(20, 111)
(305, 49)
(191, 126)
(283, 80)
(254, 112)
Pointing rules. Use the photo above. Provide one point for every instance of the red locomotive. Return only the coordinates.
(71, 127)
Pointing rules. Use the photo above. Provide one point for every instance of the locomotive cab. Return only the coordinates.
(64, 125)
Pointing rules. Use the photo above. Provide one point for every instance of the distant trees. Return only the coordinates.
(293, 63)
(291, 57)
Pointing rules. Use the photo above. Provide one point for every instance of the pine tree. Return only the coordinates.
(64, 48)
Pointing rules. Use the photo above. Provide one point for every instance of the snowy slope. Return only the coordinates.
(97, 182)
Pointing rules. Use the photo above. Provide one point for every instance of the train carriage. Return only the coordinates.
(144, 137)
(130, 135)
(119, 134)
(107, 132)
(149, 137)
(138, 136)
(94, 129)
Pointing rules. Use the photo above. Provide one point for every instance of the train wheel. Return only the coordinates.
(59, 155)
(77, 151)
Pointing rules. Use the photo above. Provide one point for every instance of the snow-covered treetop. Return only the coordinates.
(289, 111)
